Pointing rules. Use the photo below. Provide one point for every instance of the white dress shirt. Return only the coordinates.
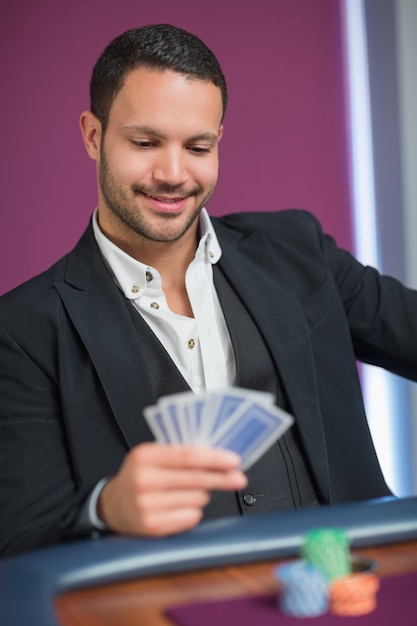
(200, 346)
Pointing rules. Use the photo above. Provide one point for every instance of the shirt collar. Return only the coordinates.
(208, 238)
(134, 277)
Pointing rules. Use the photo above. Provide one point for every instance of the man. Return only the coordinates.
(156, 298)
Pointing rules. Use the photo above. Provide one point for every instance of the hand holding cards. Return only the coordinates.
(244, 421)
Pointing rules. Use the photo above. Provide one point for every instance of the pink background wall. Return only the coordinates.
(284, 142)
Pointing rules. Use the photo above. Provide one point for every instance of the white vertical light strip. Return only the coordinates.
(406, 24)
(362, 163)
(376, 383)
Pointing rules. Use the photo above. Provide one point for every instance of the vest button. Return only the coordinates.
(249, 499)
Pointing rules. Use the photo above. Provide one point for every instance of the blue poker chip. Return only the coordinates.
(305, 589)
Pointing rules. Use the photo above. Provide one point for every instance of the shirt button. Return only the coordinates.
(249, 499)
(134, 289)
(154, 305)
(191, 344)
(149, 276)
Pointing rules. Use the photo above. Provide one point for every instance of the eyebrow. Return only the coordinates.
(147, 130)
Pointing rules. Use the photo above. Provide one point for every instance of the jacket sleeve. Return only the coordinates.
(381, 313)
(39, 500)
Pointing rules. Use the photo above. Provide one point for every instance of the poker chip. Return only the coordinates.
(354, 594)
(304, 589)
(328, 550)
(327, 577)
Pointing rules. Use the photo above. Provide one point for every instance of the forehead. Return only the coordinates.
(165, 95)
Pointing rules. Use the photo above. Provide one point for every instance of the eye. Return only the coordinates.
(199, 150)
(145, 143)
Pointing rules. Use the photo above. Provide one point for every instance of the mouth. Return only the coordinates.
(166, 204)
(166, 199)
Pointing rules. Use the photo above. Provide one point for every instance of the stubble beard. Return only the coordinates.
(128, 212)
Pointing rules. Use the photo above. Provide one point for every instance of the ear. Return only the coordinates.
(91, 134)
(220, 134)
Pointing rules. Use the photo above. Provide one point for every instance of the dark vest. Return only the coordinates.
(280, 479)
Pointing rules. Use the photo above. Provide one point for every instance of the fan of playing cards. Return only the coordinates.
(244, 421)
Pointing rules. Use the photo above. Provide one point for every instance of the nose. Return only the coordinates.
(170, 166)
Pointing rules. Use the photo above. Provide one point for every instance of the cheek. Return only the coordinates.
(129, 168)
(206, 172)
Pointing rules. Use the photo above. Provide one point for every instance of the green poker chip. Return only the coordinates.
(328, 550)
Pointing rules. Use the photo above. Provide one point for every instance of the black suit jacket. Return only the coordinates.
(73, 379)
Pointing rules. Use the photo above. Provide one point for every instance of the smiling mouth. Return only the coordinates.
(165, 199)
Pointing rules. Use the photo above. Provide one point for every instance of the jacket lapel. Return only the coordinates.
(258, 275)
(101, 318)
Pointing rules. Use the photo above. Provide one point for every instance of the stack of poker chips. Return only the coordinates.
(354, 594)
(304, 589)
(323, 579)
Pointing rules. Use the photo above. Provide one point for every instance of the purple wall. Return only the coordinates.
(284, 142)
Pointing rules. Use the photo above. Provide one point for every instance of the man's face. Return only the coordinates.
(158, 160)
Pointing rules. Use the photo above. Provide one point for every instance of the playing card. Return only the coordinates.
(242, 420)
(193, 411)
(170, 413)
(153, 416)
(186, 411)
(251, 430)
(220, 406)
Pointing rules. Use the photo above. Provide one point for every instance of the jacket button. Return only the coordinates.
(249, 499)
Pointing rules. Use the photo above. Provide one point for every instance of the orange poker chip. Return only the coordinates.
(355, 608)
(354, 594)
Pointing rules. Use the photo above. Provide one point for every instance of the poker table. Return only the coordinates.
(124, 581)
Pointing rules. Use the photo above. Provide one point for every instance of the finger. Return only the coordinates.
(151, 478)
(167, 500)
(185, 456)
(162, 523)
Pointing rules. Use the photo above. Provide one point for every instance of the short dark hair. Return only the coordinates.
(156, 46)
